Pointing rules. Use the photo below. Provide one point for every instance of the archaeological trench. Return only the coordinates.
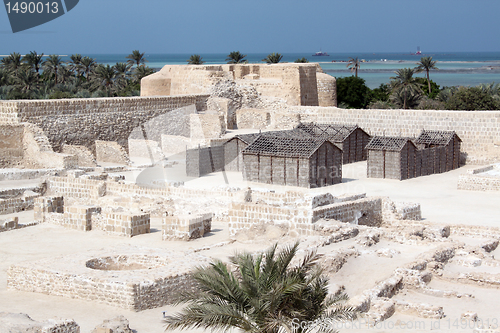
(113, 201)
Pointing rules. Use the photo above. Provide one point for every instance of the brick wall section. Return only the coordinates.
(82, 121)
(76, 187)
(477, 129)
(252, 118)
(478, 183)
(366, 211)
(9, 206)
(46, 205)
(123, 224)
(134, 290)
(245, 215)
(202, 161)
(186, 227)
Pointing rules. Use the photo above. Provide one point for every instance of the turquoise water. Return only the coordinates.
(461, 68)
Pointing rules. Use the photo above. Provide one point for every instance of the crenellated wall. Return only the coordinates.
(293, 82)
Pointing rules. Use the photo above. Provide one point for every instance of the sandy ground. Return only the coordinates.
(441, 203)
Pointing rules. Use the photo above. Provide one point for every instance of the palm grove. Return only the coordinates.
(34, 76)
(405, 91)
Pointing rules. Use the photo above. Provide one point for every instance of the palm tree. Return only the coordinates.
(426, 64)
(405, 83)
(33, 60)
(12, 62)
(26, 80)
(88, 65)
(52, 65)
(75, 64)
(105, 76)
(273, 58)
(141, 72)
(122, 73)
(195, 59)
(302, 60)
(236, 57)
(263, 294)
(4, 77)
(354, 64)
(136, 58)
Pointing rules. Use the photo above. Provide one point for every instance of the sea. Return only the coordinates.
(454, 68)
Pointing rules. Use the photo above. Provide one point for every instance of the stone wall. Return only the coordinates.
(14, 205)
(83, 121)
(135, 279)
(206, 125)
(479, 130)
(252, 118)
(76, 187)
(477, 182)
(202, 161)
(295, 83)
(327, 89)
(364, 211)
(86, 218)
(186, 227)
(11, 145)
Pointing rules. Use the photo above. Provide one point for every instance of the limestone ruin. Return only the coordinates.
(107, 204)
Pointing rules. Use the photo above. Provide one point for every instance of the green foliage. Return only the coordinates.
(195, 59)
(381, 105)
(33, 60)
(61, 94)
(405, 99)
(236, 57)
(424, 86)
(81, 77)
(301, 60)
(427, 103)
(405, 88)
(273, 58)
(264, 294)
(381, 93)
(471, 98)
(353, 92)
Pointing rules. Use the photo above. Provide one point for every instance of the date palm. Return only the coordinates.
(301, 60)
(426, 64)
(75, 64)
(354, 65)
(88, 65)
(33, 60)
(26, 80)
(4, 77)
(236, 57)
(12, 62)
(136, 58)
(406, 84)
(195, 59)
(53, 65)
(105, 76)
(141, 72)
(264, 294)
(122, 73)
(273, 58)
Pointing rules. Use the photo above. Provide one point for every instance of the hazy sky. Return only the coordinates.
(262, 26)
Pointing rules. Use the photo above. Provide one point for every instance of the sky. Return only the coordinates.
(262, 26)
